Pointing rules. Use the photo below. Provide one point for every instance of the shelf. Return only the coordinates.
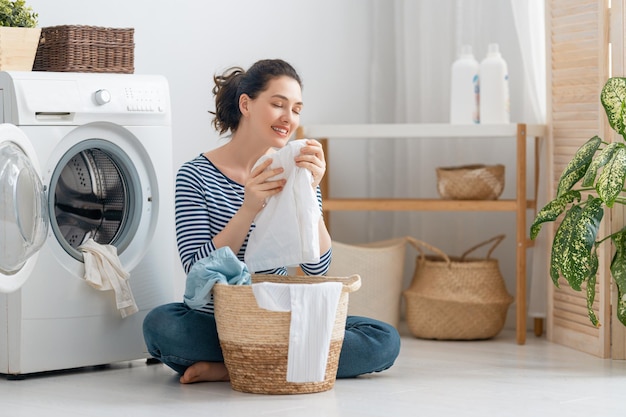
(399, 204)
(421, 130)
(520, 204)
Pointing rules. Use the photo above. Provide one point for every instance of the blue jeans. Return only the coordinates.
(179, 337)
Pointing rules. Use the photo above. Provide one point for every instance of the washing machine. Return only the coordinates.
(82, 156)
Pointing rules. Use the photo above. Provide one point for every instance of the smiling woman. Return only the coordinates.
(218, 197)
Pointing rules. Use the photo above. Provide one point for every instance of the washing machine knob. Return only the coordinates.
(102, 96)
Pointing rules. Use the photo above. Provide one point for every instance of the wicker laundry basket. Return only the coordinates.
(456, 298)
(255, 341)
(471, 182)
(82, 48)
(381, 268)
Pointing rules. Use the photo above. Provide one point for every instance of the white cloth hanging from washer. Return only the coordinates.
(104, 271)
(286, 231)
(313, 309)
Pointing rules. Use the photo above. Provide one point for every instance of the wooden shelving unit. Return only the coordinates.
(519, 205)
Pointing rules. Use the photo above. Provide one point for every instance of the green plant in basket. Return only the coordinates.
(598, 169)
(17, 14)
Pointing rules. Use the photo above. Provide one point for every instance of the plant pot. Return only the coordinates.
(18, 47)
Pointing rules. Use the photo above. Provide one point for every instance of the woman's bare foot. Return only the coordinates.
(205, 372)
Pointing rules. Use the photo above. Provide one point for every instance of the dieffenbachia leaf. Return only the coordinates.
(599, 161)
(551, 211)
(611, 180)
(613, 98)
(618, 270)
(573, 241)
(591, 288)
(577, 167)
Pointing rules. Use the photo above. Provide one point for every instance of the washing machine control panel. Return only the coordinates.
(144, 99)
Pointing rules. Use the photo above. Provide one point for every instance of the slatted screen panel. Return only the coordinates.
(578, 68)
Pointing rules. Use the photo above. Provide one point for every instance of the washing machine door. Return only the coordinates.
(23, 210)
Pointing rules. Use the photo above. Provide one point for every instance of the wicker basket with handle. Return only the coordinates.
(456, 298)
(255, 341)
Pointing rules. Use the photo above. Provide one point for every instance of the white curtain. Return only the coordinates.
(415, 45)
(529, 19)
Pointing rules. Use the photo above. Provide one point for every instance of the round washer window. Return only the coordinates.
(94, 193)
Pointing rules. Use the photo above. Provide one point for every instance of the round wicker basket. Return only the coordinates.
(470, 182)
(255, 341)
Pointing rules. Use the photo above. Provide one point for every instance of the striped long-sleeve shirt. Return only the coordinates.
(206, 200)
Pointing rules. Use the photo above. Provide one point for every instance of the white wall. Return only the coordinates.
(330, 44)
(188, 41)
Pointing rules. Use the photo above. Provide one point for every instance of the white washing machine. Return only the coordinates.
(81, 156)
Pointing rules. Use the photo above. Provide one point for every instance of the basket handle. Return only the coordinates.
(352, 283)
(420, 246)
(497, 240)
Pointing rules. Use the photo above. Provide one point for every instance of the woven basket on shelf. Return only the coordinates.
(81, 48)
(471, 182)
(255, 341)
(456, 298)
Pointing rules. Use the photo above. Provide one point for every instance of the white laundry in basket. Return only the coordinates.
(313, 309)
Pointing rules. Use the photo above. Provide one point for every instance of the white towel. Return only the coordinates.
(313, 309)
(104, 271)
(286, 231)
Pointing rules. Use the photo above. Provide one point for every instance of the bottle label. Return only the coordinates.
(476, 114)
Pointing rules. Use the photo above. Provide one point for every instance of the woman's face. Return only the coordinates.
(275, 113)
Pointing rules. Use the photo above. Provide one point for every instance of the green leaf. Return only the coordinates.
(599, 161)
(618, 270)
(611, 180)
(17, 14)
(577, 167)
(551, 211)
(555, 260)
(613, 98)
(573, 241)
(591, 288)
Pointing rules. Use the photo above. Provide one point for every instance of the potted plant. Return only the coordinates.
(597, 170)
(19, 36)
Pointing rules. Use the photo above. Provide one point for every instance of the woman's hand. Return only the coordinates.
(258, 189)
(312, 158)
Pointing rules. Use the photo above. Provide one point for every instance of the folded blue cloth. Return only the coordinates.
(221, 266)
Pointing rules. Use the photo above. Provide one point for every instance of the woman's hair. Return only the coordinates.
(235, 81)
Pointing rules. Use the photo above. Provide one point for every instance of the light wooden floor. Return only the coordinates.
(431, 378)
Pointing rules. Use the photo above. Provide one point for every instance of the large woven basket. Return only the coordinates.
(255, 341)
(380, 265)
(456, 298)
(470, 182)
(81, 48)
